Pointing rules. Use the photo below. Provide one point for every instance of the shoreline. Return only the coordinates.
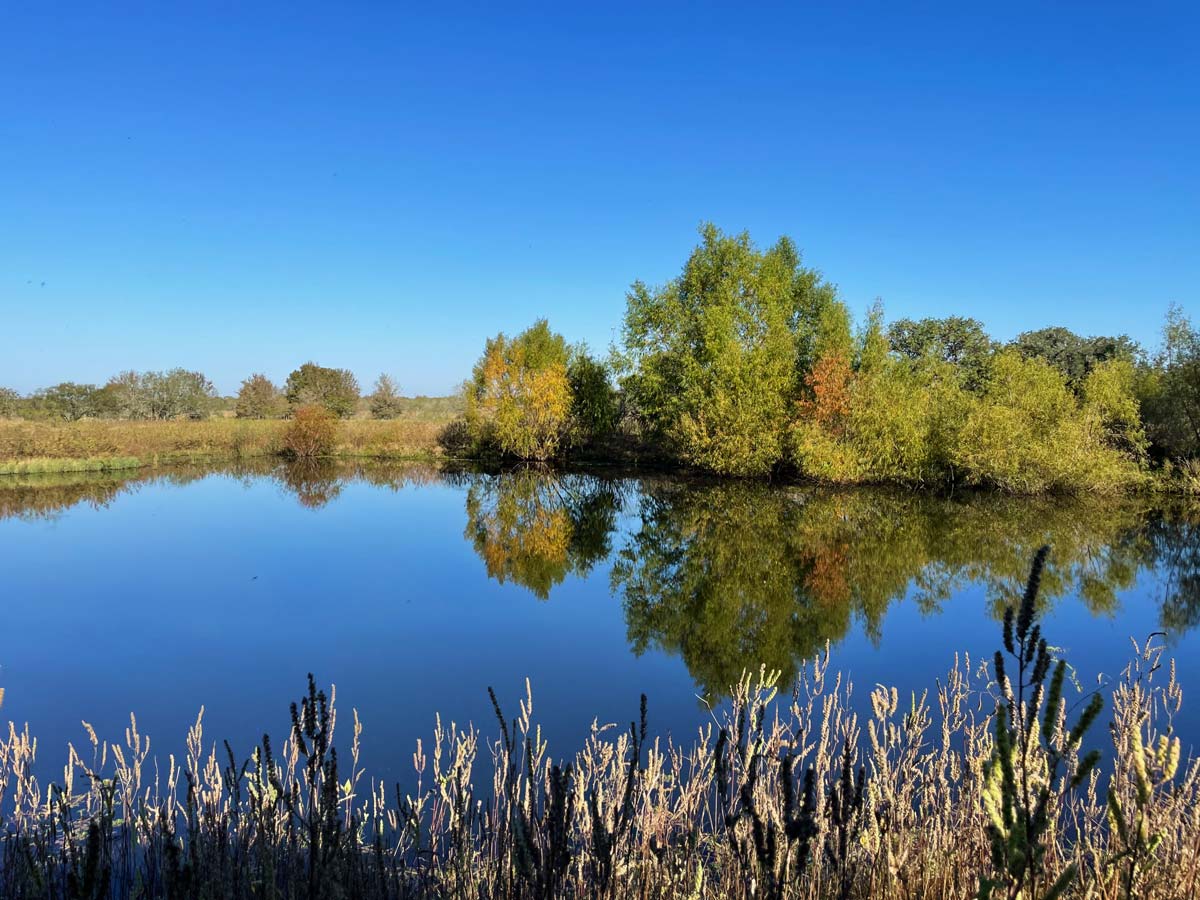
(35, 448)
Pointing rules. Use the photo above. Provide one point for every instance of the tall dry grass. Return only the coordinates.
(792, 793)
(154, 443)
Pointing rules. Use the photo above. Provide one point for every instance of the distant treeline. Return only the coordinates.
(183, 394)
(749, 364)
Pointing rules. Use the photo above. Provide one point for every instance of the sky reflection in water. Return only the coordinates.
(415, 589)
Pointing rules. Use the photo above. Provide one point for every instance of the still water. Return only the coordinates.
(414, 589)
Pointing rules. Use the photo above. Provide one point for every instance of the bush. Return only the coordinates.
(312, 432)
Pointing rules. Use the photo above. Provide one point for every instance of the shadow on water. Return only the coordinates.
(719, 573)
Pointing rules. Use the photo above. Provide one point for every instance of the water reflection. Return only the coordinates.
(536, 527)
(729, 574)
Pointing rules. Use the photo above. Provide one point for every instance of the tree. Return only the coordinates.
(386, 402)
(962, 342)
(593, 399)
(519, 398)
(1029, 433)
(713, 358)
(259, 398)
(1074, 356)
(158, 395)
(68, 400)
(1170, 390)
(335, 389)
(179, 392)
(10, 403)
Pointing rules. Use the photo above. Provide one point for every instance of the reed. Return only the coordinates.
(981, 786)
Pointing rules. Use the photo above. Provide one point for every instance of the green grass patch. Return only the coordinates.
(48, 466)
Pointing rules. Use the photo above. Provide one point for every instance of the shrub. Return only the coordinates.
(312, 432)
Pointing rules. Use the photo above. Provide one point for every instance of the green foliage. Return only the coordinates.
(173, 394)
(68, 400)
(334, 389)
(594, 405)
(959, 341)
(519, 398)
(1074, 356)
(386, 402)
(1029, 433)
(712, 357)
(1170, 390)
(727, 572)
(10, 403)
(747, 360)
(59, 466)
(1109, 394)
(259, 398)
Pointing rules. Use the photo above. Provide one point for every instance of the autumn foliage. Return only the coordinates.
(312, 432)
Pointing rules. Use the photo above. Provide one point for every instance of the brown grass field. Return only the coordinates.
(28, 447)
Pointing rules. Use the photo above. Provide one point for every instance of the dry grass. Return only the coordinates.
(58, 446)
(784, 795)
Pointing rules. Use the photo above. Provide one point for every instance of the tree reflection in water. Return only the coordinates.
(731, 574)
(534, 527)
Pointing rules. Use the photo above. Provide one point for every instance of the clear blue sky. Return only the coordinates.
(242, 187)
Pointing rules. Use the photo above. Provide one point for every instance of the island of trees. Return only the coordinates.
(748, 364)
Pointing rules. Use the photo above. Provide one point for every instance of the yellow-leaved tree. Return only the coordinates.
(518, 401)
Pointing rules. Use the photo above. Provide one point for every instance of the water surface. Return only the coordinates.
(414, 589)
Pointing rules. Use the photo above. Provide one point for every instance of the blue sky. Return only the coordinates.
(243, 187)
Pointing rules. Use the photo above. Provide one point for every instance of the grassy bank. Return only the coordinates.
(42, 466)
(978, 788)
(27, 447)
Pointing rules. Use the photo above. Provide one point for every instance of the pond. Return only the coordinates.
(415, 589)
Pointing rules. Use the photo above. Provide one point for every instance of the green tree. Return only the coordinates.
(961, 342)
(10, 403)
(335, 389)
(386, 402)
(519, 398)
(68, 400)
(259, 398)
(1170, 390)
(594, 408)
(1074, 356)
(713, 359)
